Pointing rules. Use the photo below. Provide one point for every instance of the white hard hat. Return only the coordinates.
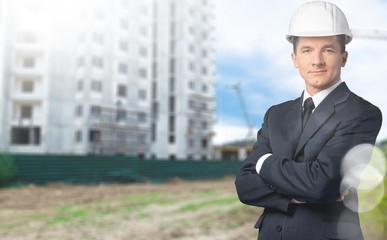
(318, 19)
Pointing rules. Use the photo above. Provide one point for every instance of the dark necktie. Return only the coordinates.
(308, 108)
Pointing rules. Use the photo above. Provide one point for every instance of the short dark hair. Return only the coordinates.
(340, 38)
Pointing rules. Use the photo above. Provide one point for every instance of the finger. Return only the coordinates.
(345, 193)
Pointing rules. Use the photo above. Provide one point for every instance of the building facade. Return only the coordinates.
(107, 77)
(184, 78)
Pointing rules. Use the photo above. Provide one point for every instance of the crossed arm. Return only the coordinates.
(282, 180)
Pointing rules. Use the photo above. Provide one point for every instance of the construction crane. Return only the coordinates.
(370, 34)
(249, 124)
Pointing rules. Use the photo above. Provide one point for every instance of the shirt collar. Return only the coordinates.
(320, 96)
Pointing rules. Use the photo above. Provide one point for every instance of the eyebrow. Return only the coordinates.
(329, 46)
(324, 47)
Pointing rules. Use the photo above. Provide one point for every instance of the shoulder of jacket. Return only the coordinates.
(287, 104)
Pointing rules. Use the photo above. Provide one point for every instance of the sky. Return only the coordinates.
(252, 52)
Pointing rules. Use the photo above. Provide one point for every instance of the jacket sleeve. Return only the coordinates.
(318, 180)
(251, 188)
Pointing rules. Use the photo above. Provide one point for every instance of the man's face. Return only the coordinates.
(319, 61)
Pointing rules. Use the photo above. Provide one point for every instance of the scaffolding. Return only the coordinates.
(115, 131)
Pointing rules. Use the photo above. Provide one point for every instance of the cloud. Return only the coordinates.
(247, 26)
(228, 133)
(250, 37)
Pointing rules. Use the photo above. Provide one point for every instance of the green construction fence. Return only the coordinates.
(74, 169)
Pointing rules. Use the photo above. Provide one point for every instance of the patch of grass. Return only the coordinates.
(135, 198)
(143, 215)
(211, 192)
(69, 214)
(76, 214)
(207, 203)
(8, 227)
(132, 202)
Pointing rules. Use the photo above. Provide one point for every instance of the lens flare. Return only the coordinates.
(363, 169)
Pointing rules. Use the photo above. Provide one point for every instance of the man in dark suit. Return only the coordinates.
(293, 170)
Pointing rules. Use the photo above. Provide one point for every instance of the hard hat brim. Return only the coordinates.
(290, 38)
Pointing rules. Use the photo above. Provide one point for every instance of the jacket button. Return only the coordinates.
(279, 228)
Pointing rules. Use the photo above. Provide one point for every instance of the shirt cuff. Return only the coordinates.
(260, 162)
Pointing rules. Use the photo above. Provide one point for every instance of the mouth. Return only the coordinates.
(317, 72)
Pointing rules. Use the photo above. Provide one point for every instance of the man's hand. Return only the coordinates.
(296, 201)
(343, 195)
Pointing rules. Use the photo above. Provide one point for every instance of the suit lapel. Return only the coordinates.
(294, 122)
(322, 113)
(316, 120)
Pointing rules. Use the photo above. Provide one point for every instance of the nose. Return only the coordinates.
(318, 59)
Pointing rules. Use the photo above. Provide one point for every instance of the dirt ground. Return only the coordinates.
(32, 196)
(183, 210)
(204, 210)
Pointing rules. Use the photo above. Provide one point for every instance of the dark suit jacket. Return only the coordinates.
(305, 165)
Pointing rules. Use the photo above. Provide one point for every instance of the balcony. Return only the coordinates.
(36, 96)
(37, 71)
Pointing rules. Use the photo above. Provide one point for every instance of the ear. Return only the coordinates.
(344, 57)
(294, 59)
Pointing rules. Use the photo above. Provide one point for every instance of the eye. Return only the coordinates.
(329, 50)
